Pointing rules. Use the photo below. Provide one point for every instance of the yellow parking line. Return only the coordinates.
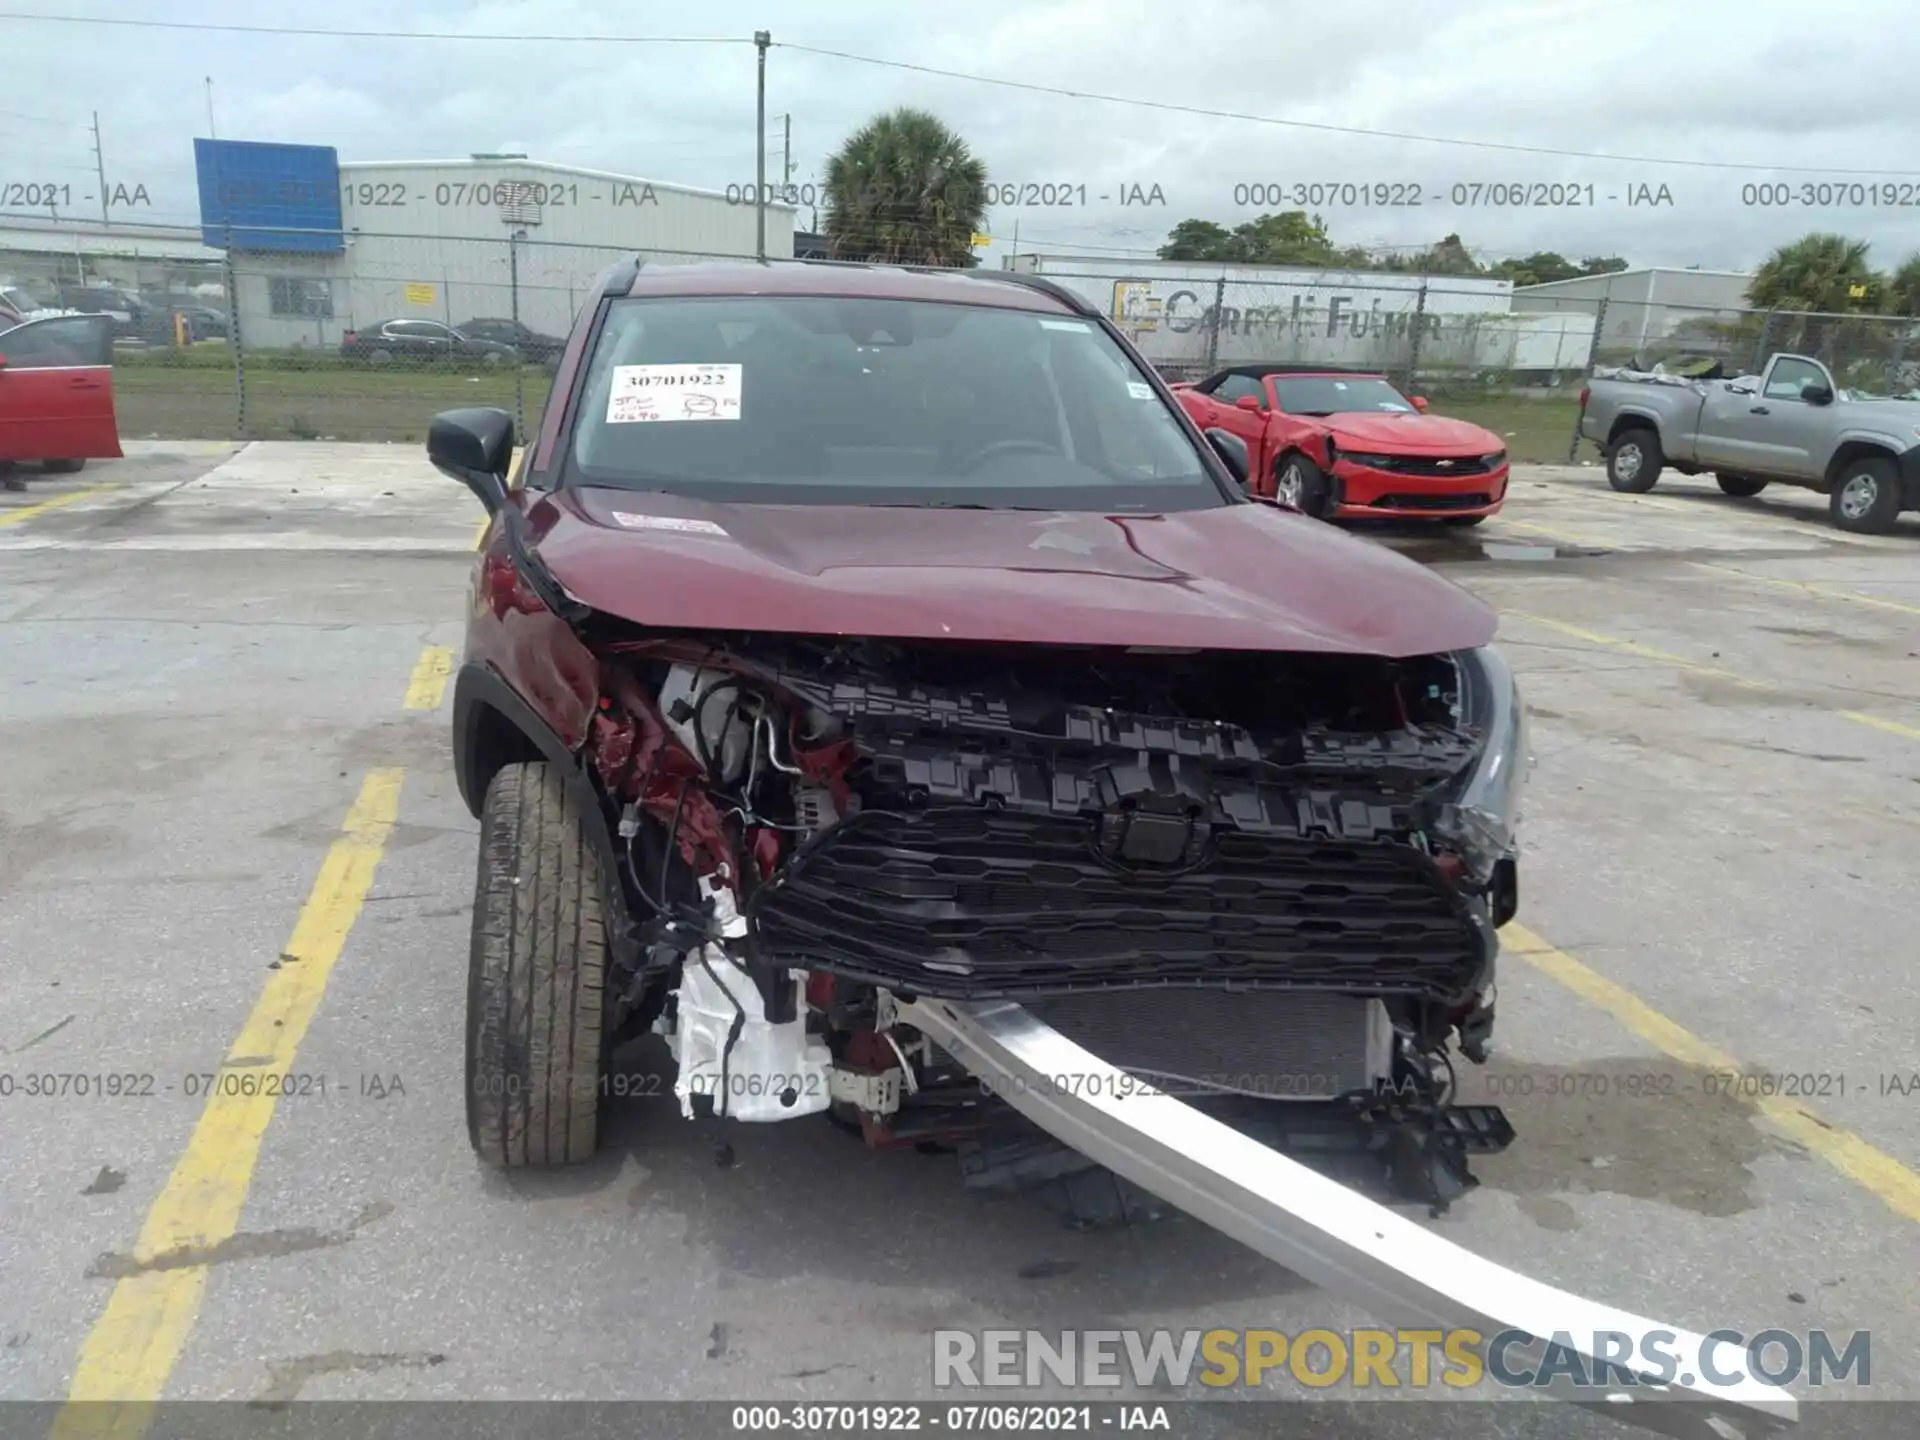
(55, 502)
(1871, 1169)
(1892, 727)
(133, 1347)
(1807, 587)
(428, 683)
(1634, 647)
(1667, 657)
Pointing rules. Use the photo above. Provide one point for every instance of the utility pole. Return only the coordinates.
(761, 39)
(786, 149)
(100, 169)
(212, 134)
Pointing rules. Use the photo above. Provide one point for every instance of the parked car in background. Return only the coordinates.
(56, 393)
(1790, 424)
(196, 323)
(1344, 444)
(127, 311)
(536, 348)
(386, 341)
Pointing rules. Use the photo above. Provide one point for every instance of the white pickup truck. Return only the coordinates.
(1790, 425)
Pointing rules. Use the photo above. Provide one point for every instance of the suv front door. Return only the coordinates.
(56, 390)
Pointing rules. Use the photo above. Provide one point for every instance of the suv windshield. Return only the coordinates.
(1337, 395)
(805, 400)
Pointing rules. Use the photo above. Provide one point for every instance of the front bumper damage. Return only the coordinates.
(957, 862)
(1401, 1273)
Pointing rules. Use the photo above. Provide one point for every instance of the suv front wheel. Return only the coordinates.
(536, 1042)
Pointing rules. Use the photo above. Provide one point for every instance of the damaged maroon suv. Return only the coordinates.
(860, 644)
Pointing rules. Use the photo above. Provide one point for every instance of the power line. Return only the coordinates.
(39, 119)
(1201, 110)
(1137, 102)
(204, 26)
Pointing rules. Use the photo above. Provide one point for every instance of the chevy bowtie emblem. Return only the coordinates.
(1446, 464)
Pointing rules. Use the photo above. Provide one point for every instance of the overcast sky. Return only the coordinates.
(1758, 83)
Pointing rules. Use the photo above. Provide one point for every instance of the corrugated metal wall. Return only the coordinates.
(432, 241)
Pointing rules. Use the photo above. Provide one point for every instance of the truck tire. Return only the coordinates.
(1634, 461)
(1741, 487)
(63, 467)
(1866, 495)
(536, 1044)
(1298, 482)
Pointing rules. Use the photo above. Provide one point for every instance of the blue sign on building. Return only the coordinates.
(256, 196)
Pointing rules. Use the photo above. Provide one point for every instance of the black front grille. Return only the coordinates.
(965, 902)
(1474, 501)
(1440, 466)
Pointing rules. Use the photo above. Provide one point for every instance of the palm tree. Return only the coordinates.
(1819, 272)
(905, 189)
(1904, 286)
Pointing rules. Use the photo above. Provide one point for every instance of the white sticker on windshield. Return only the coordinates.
(667, 522)
(1140, 390)
(1080, 326)
(673, 392)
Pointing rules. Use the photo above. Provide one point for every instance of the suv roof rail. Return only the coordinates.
(1079, 304)
(1076, 303)
(618, 279)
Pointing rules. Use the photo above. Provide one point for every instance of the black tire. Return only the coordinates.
(1315, 490)
(536, 1042)
(380, 357)
(63, 467)
(1634, 460)
(1741, 487)
(1866, 496)
(1461, 521)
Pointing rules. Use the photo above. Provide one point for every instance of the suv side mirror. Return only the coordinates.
(1419, 402)
(1814, 393)
(1232, 450)
(1248, 402)
(475, 447)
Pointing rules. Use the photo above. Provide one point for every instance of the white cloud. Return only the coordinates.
(1752, 83)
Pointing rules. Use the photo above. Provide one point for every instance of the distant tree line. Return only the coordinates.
(1293, 237)
(1820, 272)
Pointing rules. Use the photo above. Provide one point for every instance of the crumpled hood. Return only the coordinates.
(1247, 577)
(1399, 434)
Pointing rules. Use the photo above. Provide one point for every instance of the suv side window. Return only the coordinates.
(1789, 375)
(1234, 386)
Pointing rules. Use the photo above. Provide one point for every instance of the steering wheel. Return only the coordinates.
(1015, 446)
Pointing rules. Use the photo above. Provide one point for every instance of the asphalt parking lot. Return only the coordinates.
(229, 834)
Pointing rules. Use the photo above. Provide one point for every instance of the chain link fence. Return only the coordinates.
(369, 342)
(365, 344)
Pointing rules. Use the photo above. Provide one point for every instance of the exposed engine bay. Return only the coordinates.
(1268, 883)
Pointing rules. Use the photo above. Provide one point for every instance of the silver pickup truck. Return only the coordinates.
(1791, 425)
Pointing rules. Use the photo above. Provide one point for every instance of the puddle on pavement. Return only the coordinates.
(1643, 1128)
(1452, 552)
(1508, 550)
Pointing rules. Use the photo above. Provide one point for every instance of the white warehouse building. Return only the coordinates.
(492, 236)
(1189, 317)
